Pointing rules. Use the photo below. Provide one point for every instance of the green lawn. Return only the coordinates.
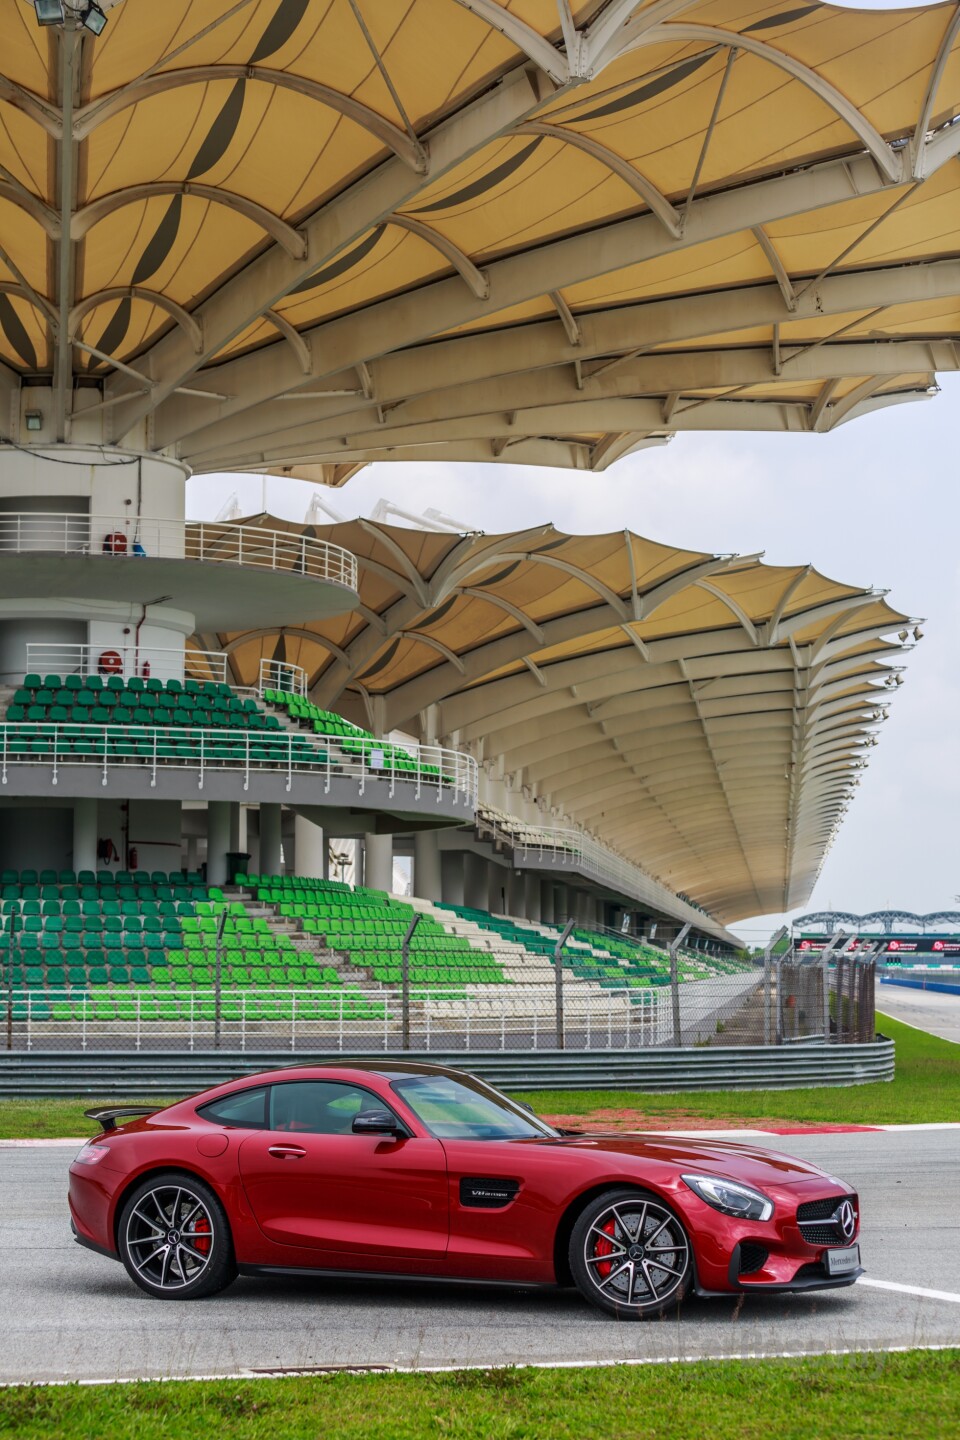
(927, 1088)
(914, 1396)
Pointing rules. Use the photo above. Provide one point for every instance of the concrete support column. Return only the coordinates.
(516, 893)
(531, 886)
(85, 834)
(378, 862)
(218, 840)
(451, 877)
(270, 816)
(476, 884)
(427, 877)
(309, 848)
(546, 902)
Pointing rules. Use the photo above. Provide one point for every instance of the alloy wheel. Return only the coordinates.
(636, 1254)
(169, 1237)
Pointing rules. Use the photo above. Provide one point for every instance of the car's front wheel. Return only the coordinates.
(174, 1239)
(630, 1255)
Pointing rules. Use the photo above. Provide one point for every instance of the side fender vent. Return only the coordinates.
(476, 1193)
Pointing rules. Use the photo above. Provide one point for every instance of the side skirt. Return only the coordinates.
(266, 1272)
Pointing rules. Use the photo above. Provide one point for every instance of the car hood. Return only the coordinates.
(751, 1163)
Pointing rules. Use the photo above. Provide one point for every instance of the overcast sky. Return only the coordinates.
(875, 503)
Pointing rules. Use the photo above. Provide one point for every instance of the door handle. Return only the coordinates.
(286, 1152)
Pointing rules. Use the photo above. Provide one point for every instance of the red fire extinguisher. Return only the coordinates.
(145, 670)
(132, 857)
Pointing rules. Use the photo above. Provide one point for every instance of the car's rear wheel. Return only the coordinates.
(630, 1255)
(174, 1239)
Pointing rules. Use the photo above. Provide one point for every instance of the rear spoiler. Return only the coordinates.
(107, 1118)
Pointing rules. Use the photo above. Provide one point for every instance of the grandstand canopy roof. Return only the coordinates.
(270, 233)
(706, 715)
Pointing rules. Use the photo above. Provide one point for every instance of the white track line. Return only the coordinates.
(910, 1290)
(321, 1371)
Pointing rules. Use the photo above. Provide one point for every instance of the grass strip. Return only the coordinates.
(926, 1088)
(873, 1396)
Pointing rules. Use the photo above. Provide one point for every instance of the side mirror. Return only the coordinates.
(375, 1122)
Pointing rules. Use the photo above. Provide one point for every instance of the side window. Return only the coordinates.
(245, 1109)
(319, 1107)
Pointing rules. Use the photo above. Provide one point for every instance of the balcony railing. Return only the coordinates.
(146, 661)
(126, 538)
(196, 751)
(581, 852)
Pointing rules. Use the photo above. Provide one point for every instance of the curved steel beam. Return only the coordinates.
(464, 266)
(89, 215)
(523, 36)
(890, 163)
(300, 347)
(32, 297)
(88, 117)
(33, 206)
(917, 148)
(669, 218)
(436, 645)
(137, 292)
(46, 116)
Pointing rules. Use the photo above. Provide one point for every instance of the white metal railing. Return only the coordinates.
(128, 661)
(442, 1017)
(280, 675)
(126, 537)
(580, 851)
(198, 750)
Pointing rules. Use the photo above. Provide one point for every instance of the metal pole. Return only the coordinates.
(768, 983)
(10, 986)
(675, 981)
(405, 978)
(218, 980)
(558, 981)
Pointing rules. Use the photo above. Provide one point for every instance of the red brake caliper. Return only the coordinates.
(604, 1247)
(201, 1239)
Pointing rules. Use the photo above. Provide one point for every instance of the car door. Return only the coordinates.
(312, 1183)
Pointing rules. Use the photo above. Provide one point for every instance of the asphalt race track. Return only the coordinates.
(68, 1314)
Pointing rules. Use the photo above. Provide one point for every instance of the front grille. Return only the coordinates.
(822, 1209)
(752, 1257)
(822, 1234)
(812, 1214)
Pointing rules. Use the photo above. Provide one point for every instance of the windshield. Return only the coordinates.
(460, 1109)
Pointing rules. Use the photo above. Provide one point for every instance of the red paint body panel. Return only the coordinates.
(358, 1202)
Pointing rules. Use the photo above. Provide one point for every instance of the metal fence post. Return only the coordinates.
(218, 980)
(768, 983)
(675, 981)
(558, 981)
(405, 978)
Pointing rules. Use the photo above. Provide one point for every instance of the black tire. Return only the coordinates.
(174, 1238)
(640, 1278)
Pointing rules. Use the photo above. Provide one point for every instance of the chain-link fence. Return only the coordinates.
(785, 1003)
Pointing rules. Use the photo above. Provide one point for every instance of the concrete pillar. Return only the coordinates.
(378, 862)
(427, 878)
(309, 848)
(451, 877)
(546, 902)
(270, 816)
(218, 841)
(85, 834)
(531, 886)
(516, 893)
(476, 883)
(235, 810)
(192, 857)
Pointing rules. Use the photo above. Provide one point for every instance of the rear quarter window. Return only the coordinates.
(244, 1109)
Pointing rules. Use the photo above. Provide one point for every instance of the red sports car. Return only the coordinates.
(400, 1169)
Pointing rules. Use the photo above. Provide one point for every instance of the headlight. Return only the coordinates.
(91, 1154)
(730, 1197)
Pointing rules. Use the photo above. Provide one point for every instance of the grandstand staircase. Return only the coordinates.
(306, 944)
(519, 964)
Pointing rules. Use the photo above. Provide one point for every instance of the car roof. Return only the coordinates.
(387, 1067)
